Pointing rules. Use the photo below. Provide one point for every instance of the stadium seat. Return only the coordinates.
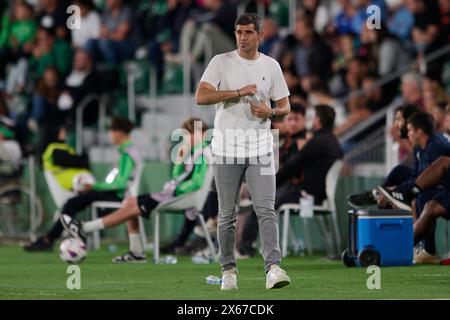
(330, 231)
(58, 193)
(173, 79)
(195, 200)
(279, 9)
(133, 191)
(60, 196)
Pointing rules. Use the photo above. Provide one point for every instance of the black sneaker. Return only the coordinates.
(74, 227)
(40, 245)
(361, 200)
(130, 257)
(399, 199)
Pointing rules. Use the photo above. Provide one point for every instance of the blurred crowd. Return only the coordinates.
(330, 56)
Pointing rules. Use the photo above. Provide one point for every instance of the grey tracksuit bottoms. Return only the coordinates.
(259, 175)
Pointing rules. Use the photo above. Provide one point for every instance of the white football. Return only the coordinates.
(72, 250)
(80, 180)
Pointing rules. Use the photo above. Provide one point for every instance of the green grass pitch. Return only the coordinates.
(43, 276)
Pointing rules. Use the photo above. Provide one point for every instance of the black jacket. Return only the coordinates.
(89, 85)
(312, 162)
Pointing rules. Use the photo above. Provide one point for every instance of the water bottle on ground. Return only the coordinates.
(201, 260)
(170, 260)
(112, 248)
(167, 260)
(214, 280)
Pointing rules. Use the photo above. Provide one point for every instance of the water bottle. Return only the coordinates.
(112, 248)
(255, 99)
(170, 260)
(213, 280)
(166, 260)
(201, 260)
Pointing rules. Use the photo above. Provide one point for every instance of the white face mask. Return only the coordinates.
(65, 102)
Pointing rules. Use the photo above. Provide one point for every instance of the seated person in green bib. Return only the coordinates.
(188, 175)
(113, 189)
(62, 161)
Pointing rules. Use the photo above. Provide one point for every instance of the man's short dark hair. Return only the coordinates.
(87, 3)
(249, 18)
(422, 120)
(442, 106)
(407, 110)
(190, 125)
(121, 124)
(326, 115)
(298, 108)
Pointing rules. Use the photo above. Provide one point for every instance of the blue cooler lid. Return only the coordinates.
(383, 213)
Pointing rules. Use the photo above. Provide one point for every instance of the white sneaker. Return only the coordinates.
(276, 278)
(423, 257)
(229, 280)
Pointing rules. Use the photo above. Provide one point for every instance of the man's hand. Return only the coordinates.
(183, 150)
(262, 111)
(395, 133)
(248, 90)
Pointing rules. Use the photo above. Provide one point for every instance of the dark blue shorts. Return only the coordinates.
(424, 197)
(443, 198)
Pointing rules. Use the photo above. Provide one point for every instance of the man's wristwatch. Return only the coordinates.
(273, 115)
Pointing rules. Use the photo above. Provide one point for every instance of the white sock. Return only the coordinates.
(135, 243)
(93, 225)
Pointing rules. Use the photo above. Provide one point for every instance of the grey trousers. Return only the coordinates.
(260, 179)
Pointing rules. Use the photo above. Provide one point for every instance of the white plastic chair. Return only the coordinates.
(197, 200)
(328, 207)
(61, 195)
(58, 193)
(97, 205)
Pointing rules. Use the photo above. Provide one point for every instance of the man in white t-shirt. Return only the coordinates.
(89, 24)
(241, 84)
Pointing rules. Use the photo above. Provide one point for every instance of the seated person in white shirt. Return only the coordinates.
(10, 152)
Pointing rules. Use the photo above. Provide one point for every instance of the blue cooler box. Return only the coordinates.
(379, 237)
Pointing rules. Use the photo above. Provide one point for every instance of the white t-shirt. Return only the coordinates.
(10, 156)
(237, 132)
(89, 29)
